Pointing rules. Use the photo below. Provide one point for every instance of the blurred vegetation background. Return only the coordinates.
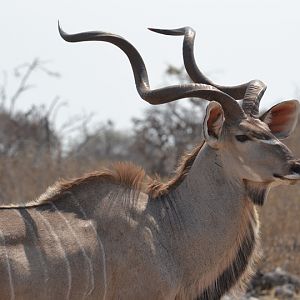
(35, 152)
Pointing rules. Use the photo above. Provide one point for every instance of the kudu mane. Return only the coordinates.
(128, 175)
(157, 188)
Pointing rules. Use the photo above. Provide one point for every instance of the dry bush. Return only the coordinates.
(21, 180)
(280, 229)
(32, 155)
(164, 133)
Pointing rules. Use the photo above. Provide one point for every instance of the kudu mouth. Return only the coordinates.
(294, 174)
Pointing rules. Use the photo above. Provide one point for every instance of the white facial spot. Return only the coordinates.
(240, 159)
(250, 170)
(293, 176)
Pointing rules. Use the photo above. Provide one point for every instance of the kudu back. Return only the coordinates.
(118, 234)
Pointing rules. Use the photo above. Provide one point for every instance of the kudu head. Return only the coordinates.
(249, 146)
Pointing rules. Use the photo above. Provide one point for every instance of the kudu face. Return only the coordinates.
(250, 147)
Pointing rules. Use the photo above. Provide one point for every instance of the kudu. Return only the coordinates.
(118, 234)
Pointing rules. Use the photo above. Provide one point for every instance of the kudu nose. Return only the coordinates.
(295, 168)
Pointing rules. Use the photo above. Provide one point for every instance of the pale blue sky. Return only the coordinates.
(236, 41)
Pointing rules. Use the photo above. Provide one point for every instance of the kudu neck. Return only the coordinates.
(208, 172)
(207, 185)
(214, 213)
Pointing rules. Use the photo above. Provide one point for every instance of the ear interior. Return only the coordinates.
(213, 122)
(282, 118)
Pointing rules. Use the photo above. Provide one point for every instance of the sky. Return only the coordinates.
(236, 41)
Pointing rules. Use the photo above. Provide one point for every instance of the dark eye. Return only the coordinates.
(242, 138)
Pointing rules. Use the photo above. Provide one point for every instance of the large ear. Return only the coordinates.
(213, 123)
(282, 118)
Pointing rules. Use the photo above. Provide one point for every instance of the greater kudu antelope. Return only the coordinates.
(118, 234)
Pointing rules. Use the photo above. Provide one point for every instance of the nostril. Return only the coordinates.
(295, 168)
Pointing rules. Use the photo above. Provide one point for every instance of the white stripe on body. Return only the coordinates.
(91, 271)
(98, 240)
(34, 237)
(51, 230)
(11, 284)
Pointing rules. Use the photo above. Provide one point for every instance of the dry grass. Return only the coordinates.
(280, 218)
(272, 297)
(21, 179)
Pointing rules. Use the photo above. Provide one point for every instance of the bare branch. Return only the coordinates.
(22, 87)
(3, 87)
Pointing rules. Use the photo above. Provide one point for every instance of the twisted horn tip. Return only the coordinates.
(62, 33)
(178, 31)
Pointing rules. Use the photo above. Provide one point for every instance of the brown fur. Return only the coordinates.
(125, 174)
(128, 175)
(122, 173)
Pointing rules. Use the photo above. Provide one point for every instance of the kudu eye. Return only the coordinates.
(242, 138)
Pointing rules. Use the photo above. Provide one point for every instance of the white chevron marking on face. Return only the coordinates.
(270, 142)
